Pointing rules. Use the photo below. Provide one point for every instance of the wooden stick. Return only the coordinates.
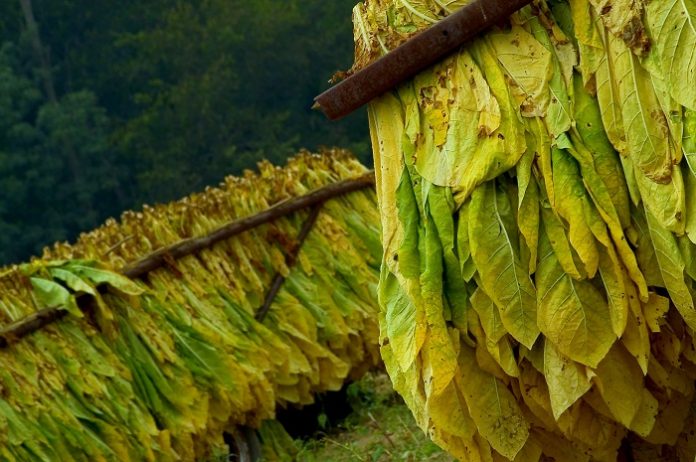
(415, 55)
(281, 209)
(290, 260)
(36, 321)
(23, 327)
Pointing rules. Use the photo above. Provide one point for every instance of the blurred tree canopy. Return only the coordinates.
(109, 104)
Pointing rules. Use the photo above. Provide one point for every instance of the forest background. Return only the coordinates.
(106, 105)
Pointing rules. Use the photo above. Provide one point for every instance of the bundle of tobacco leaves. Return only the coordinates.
(158, 368)
(537, 192)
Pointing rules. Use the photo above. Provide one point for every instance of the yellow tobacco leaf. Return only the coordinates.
(672, 418)
(613, 277)
(486, 326)
(558, 119)
(672, 110)
(488, 315)
(527, 64)
(573, 205)
(452, 113)
(449, 413)
(589, 42)
(387, 132)
(686, 445)
(558, 447)
(598, 436)
(620, 383)
(502, 149)
(572, 314)
(671, 267)
(624, 18)
(636, 337)
(492, 407)
(645, 419)
(531, 452)
(560, 244)
(535, 397)
(647, 133)
(666, 201)
(609, 98)
(567, 380)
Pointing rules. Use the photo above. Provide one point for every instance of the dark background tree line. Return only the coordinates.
(109, 104)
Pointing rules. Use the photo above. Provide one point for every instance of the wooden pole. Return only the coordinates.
(290, 260)
(32, 323)
(414, 56)
(193, 245)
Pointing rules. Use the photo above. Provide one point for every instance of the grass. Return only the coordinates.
(380, 429)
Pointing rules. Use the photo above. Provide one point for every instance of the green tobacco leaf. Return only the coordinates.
(495, 251)
(467, 266)
(572, 314)
(689, 140)
(673, 25)
(98, 276)
(492, 406)
(528, 214)
(690, 223)
(440, 349)
(441, 205)
(50, 294)
(408, 258)
(76, 283)
(400, 317)
(605, 159)
(203, 359)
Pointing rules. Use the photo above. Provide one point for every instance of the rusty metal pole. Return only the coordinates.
(414, 56)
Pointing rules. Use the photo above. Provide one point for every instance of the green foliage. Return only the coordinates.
(381, 428)
(55, 163)
(156, 99)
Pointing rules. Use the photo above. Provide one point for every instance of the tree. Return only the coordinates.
(41, 201)
(107, 104)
